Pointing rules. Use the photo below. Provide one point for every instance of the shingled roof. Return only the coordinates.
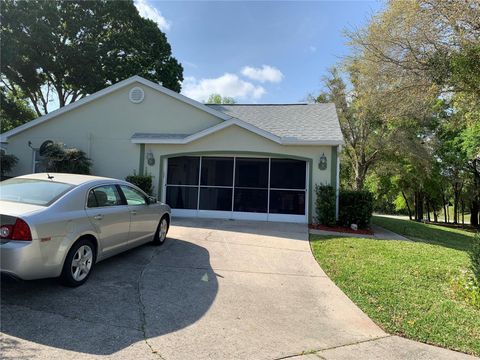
(302, 122)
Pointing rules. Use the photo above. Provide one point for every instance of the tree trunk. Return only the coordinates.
(435, 214)
(408, 205)
(428, 210)
(463, 213)
(474, 209)
(418, 205)
(445, 213)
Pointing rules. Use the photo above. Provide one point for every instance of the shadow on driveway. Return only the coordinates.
(145, 292)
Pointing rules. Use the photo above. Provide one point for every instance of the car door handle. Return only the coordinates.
(98, 217)
(133, 212)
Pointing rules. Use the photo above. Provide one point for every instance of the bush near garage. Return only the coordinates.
(7, 163)
(325, 205)
(355, 207)
(144, 182)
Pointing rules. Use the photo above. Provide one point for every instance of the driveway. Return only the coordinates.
(216, 290)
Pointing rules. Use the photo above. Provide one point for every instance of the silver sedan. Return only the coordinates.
(60, 225)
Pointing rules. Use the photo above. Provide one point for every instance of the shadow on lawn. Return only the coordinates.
(427, 233)
(143, 293)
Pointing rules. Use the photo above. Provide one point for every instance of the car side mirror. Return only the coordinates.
(151, 200)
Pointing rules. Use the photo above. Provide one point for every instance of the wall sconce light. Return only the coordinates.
(150, 159)
(322, 163)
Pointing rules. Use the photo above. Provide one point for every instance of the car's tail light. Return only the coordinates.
(18, 231)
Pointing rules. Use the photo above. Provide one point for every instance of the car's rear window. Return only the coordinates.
(32, 191)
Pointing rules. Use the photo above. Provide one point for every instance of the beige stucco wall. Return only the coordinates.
(103, 128)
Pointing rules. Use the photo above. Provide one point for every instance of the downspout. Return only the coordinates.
(337, 183)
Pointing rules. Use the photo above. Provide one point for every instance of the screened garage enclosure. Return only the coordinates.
(238, 187)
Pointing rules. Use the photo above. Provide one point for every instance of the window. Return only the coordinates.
(251, 173)
(287, 174)
(183, 170)
(103, 196)
(212, 198)
(133, 196)
(32, 191)
(182, 197)
(217, 171)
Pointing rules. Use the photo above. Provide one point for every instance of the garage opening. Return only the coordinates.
(254, 188)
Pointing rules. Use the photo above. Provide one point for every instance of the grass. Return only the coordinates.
(405, 287)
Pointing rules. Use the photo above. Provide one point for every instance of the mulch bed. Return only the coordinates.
(340, 229)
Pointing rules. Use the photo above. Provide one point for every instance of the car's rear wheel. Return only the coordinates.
(79, 263)
(162, 230)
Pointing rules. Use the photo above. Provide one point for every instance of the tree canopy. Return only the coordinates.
(69, 49)
(219, 99)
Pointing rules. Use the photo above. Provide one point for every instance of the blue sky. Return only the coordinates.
(257, 52)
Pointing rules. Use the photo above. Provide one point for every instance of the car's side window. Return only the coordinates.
(102, 196)
(133, 196)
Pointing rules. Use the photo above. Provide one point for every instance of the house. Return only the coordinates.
(258, 162)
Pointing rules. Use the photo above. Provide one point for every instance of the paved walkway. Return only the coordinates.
(216, 290)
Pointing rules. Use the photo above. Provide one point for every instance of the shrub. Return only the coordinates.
(355, 207)
(475, 256)
(57, 158)
(7, 162)
(144, 182)
(325, 205)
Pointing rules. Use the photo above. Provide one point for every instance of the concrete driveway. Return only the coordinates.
(215, 290)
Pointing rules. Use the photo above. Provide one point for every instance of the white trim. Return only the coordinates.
(208, 131)
(5, 136)
(302, 219)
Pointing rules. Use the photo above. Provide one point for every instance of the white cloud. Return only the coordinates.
(148, 11)
(226, 85)
(312, 48)
(266, 73)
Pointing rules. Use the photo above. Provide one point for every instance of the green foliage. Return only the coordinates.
(325, 204)
(57, 158)
(144, 182)
(69, 49)
(475, 257)
(355, 207)
(14, 111)
(218, 99)
(7, 162)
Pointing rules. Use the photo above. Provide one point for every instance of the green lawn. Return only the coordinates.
(405, 287)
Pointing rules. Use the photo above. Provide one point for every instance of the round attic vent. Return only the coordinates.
(136, 95)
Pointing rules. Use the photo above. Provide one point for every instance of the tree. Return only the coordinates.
(218, 99)
(13, 111)
(7, 162)
(57, 158)
(69, 49)
(361, 124)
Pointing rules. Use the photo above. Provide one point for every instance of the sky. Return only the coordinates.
(257, 52)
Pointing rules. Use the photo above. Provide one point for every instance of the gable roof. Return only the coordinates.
(121, 84)
(302, 123)
(286, 124)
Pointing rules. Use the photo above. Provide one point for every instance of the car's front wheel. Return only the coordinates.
(79, 263)
(162, 230)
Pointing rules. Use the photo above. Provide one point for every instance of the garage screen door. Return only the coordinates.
(237, 184)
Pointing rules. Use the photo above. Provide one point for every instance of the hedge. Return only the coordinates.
(325, 205)
(144, 182)
(355, 207)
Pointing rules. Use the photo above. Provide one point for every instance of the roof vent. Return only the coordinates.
(136, 95)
